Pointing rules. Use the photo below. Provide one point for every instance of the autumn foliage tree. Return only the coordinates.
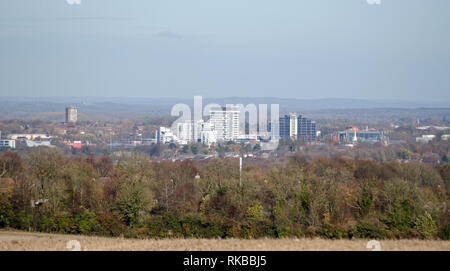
(44, 190)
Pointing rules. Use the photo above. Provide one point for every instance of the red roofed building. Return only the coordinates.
(77, 145)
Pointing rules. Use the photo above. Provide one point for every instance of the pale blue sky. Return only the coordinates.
(220, 48)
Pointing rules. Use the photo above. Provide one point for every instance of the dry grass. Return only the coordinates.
(14, 240)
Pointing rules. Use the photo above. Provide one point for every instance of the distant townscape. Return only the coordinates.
(364, 173)
(234, 120)
(223, 126)
(385, 134)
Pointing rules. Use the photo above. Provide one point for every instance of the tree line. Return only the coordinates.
(43, 189)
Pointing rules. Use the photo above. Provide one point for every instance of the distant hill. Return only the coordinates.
(52, 108)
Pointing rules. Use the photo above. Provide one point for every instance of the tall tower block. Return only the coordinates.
(71, 114)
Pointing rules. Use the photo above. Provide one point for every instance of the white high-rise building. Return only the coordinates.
(184, 132)
(200, 126)
(207, 133)
(293, 124)
(225, 122)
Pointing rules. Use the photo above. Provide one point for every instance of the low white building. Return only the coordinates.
(164, 135)
(209, 137)
(207, 133)
(29, 136)
(8, 143)
(32, 144)
(184, 132)
(246, 138)
(425, 138)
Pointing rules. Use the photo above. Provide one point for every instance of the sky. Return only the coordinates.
(304, 49)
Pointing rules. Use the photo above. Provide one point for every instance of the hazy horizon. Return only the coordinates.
(311, 49)
(62, 97)
(55, 102)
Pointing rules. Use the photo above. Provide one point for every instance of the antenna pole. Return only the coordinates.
(240, 171)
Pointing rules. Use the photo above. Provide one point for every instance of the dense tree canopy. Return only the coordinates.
(45, 190)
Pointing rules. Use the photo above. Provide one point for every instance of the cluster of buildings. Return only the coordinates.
(298, 127)
(30, 140)
(223, 125)
(354, 134)
(430, 137)
(36, 140)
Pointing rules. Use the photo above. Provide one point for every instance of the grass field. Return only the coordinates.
(15, 240)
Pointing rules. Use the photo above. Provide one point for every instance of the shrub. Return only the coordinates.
(156, 227)
(365, 202)
(368, 230)
(47, 223)
(6, 210)
(331, 232)
(255, 212)
(85, 222)
(401, 215)
(212, 230)
(65, 224)
(426, 226)
(173, 223)
(110, 224)
(23, 220)
(444, 233)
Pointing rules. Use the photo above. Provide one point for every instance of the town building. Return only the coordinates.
(32, 144)
(164, 135)
(209, 137)
(225, 122)
(77, 145)
(425, 138)
(207, 133)
(29, 136)
(71, 114)
(250, 138)
(184, 132)
(354, 134)
(149, 141)
(7, 143)
(297, 127)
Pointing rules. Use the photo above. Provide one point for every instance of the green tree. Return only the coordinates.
(406, 154)
(134, 196)
(6, 209)
(426, 226)
(257, 147)
(172, 146)
(194, 149)
(365, 202)
(185, 149)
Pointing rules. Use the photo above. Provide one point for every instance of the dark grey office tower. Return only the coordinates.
(306, 129)
(285, 127)
(297, 127)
